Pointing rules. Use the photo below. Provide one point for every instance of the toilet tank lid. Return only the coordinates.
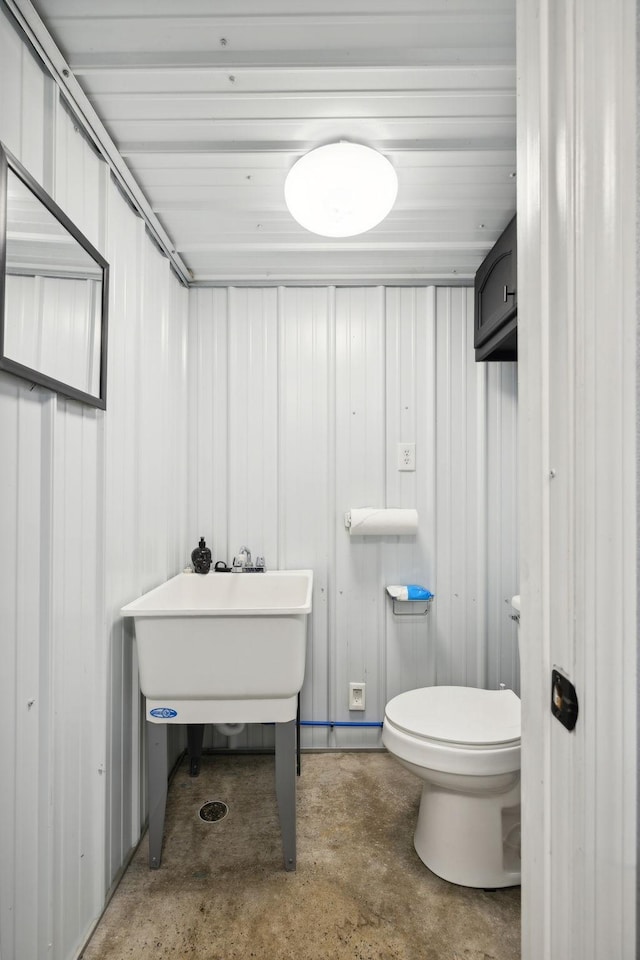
(464, 715)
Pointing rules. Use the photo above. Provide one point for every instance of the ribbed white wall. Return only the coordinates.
(578, 325)
(91, 514)
(299, 398)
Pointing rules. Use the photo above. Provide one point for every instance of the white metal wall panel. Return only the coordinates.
(345, 375)
(25, 837)
(122, 525)
(25, 109)
(501, 518)
(77, 715)
(577, 252)
(358, 629)
(208, 417)
(458, 631)
(80, 177)
(411, 410)
(306, 493)
(252, 440)
(92, 512)
(146, 480)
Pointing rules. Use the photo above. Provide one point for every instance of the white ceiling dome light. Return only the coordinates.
(341, 189)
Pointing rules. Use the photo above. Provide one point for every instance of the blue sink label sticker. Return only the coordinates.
(163, 713)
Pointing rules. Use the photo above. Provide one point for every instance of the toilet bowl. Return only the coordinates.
(464, 744)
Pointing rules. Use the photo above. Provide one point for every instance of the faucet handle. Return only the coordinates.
(259, 563)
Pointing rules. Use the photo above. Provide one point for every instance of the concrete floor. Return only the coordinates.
(359, 893)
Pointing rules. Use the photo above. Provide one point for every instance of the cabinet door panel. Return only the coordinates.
(496, 296)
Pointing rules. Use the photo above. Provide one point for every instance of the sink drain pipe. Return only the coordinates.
(230, 729)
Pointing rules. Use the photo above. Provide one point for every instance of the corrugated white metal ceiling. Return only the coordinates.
(210, 104)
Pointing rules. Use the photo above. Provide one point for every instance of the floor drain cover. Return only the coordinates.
(213, 810)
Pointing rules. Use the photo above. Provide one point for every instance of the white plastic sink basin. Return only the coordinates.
(223, 637)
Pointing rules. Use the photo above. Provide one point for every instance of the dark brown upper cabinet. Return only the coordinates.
(496, 301)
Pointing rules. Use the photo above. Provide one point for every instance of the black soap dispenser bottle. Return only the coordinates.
(201, 557)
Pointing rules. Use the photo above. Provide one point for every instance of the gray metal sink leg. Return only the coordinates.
(286, 789)
(158, 773)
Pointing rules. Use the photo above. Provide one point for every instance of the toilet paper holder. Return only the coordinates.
(404, 608)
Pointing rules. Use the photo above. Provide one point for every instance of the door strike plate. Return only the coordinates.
(564, 700)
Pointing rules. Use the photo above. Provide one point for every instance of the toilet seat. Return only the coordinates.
(462, 715)
(461, 730)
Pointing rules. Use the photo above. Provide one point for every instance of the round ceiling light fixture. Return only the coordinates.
(341, 189)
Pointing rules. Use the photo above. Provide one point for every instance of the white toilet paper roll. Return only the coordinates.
(376, 521)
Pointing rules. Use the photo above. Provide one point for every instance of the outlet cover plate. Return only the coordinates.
(357, 696)
(406, 456)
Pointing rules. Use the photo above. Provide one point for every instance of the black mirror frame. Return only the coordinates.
(9, 162)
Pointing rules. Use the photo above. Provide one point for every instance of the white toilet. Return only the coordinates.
(464, 743)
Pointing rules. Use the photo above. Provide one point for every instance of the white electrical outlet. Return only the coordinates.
(357, 696)
(406, 456)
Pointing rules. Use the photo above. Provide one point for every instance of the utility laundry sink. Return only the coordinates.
(223, 647)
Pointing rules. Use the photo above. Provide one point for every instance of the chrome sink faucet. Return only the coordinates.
(242, 562)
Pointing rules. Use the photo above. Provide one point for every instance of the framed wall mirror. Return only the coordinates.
(53, 292)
